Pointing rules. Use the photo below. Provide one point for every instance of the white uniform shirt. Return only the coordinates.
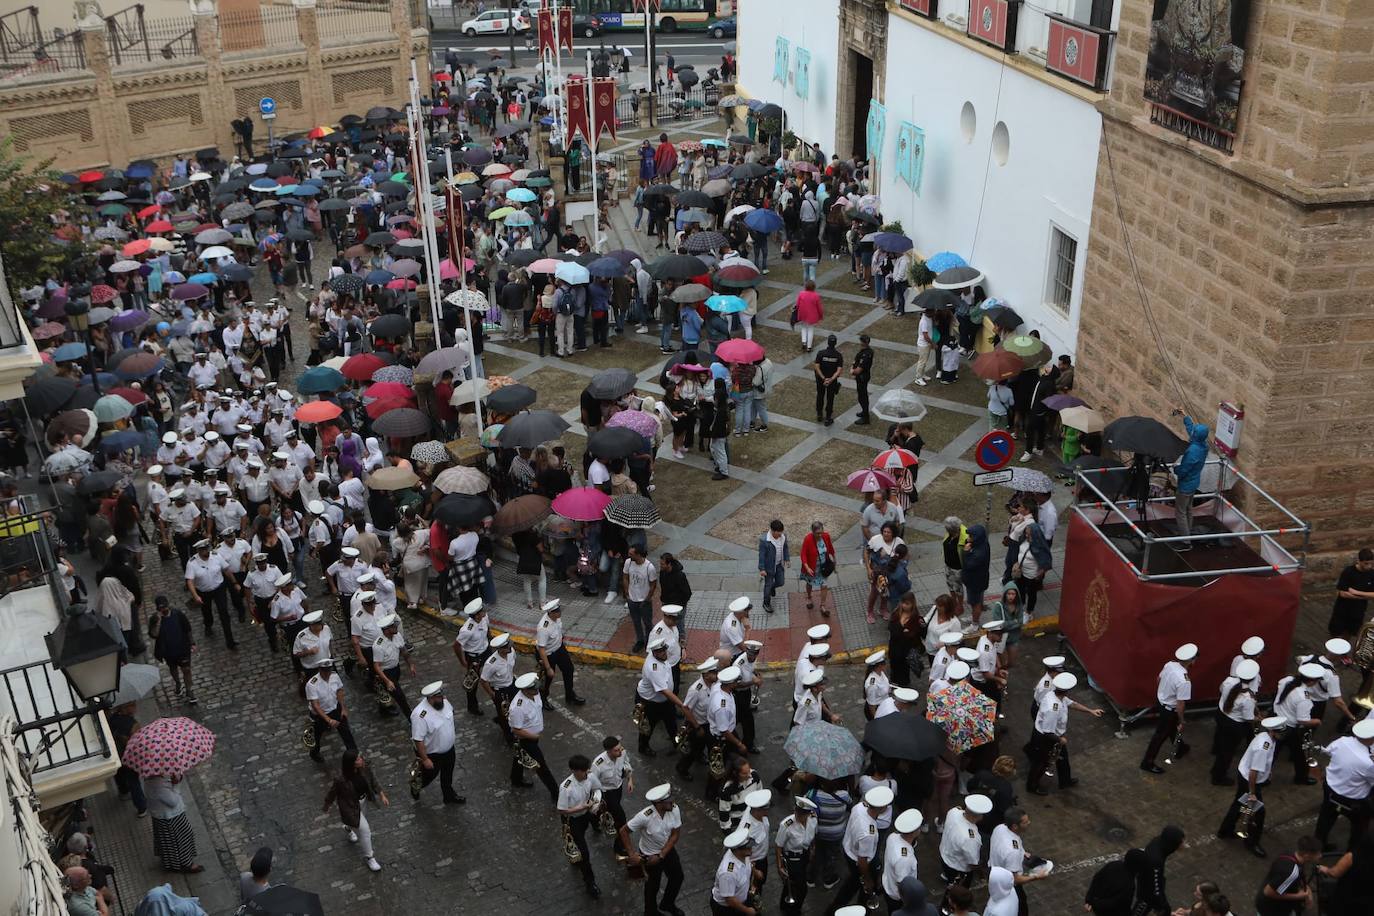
(262, 582)
(1173, 685)
(794, 837)
(255, 486)
(1243, 706)
(721, 716)
(884, 818)
(886, 708)
(1259, 756)
(346, 575)
(527, 714)
(285, 478)
(804, 667)
(654, 828)
(759, 833)
(275, 430)
(234, 555)
(1052, 718)
(733, 875)
(860, 834)
(498, 670)
(300, 454)
(158, 500)
(1043, 688)
(1350, 772)
(317, 646)
(960, 845)
(899, 863)
(182, 518)
(1005, 851)
(808, 710)
(288, 607)
(549, 636)
(432, 726)
(472, 637)
(364, 626)
(654, 678)
(987, 660)
(940, 663)
(1330, 685)
(1297, 706)
(574, 792)
(611, 774)
(698, 699)
(877, 688)
(731, 633)
(386, 651)
(206, 574)
(746, 671)
(669, 635)
(324, 689)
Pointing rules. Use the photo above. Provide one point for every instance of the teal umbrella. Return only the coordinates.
(320, 379)
(112, 407)
(828, 751)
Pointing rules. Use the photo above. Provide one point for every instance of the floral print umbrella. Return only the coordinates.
(966, 714)
(168, 747)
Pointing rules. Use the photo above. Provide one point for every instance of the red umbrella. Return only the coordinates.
(149, 211)
(318, 411)
(401, 283)
(869, 480)
(997, 365)
(360, 368)
(894, 458)
(581, 504)
(158, 225)
(48, 330)
(136, 247)
(387, 390)
(92, 175)
(100, 294)
(382, 405)
(442, 76)
(132, 395)
(168, 747)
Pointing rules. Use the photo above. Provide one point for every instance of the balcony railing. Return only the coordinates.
(54, 726)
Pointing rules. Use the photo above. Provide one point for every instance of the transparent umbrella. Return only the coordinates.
(899, 406)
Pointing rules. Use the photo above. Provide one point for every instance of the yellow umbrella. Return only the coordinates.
(465, 178)
(501, 213)
(392, 478)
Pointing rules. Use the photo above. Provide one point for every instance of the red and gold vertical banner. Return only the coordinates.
(546, 36)
(576, 91)
(603, 106)
(453, 225)
(565, 27)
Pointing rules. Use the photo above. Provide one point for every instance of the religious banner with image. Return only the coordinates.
(911, 155)
(877, 128)
(801, 78)
(1193, 74)
(781, 46)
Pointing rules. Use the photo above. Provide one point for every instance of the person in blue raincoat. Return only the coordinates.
(1188, 472)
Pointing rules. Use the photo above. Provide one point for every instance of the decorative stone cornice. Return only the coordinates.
(237, 67)
(355, 53)
(65, 91)
(160, 78)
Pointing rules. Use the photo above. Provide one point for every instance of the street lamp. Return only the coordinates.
(79, 319)
(86, 647)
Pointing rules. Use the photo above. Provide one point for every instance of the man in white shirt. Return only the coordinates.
(1253, 771)
(285, 478)
(498, 680)
(1051, 724)
(899, 856)
(734, 874)
(206, 581)
(651, 837)
(312, 644)
(1172, 695)
(745, 697)
(300, 453)
(1006, 850)
(877, 687)
(202, 374)
(638, 581)
(860, 846)
(961, 846)
(698, 703)
(734, 629)
(551, 653)
(654, 696)
(577, 794)
(667, 630)
(285, 612)
(794, 841)
(1349, 781)
(431, 731)
(324, 699)
(471, 646)
(261, 584)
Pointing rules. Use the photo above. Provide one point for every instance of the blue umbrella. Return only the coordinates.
(726, 305)
(379, 277)
(521, 195)
(257, 168)
(264, 184)
(761, 220)
(944, 260)
(320, 379)
(306, 190)
(718, 144)
(152, 370)
(181, 328)
(606, 267)
(828, 751)
(572, 273)
(69, 352)
(890, 242)
(174, 277)
(121, 441)
(139, 170)
(204, 279)
(286, 189)
(106, 379)
(519, 218)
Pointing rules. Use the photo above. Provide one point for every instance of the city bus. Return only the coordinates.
(621, 15)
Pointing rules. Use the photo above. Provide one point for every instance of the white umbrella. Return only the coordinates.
(463, 394)
(742, 208)
(215, 251)
(136, 682)
(899, 406)
(124, 267)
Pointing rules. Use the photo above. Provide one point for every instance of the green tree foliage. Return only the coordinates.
(31, 194)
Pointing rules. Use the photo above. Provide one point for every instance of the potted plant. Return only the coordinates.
(919, 275)
(789, 140)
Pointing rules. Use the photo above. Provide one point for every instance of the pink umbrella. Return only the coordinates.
(646, 424)
(400, 283)
(869, 480)
(895, 458)
(739, 350)
(447, 270)
(581, 504)
(169, 747)
(379, 390)
(544, 266)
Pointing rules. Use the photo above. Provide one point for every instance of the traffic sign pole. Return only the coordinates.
(267, 107)
(993, 453)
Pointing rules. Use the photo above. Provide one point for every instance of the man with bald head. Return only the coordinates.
(82, 899)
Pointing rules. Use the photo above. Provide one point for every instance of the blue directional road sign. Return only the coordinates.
(267, 107)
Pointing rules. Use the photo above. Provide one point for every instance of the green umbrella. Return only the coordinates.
(825, 750)
(1032, 350)
(113, 210)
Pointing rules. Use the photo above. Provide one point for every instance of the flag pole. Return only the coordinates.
(461, 266)
(591, 122)
(560, 113)
(420, 168)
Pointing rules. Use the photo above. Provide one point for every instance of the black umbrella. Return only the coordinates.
(660, 190)
(904, 736)
(748, 171)
(523, 257)
(615, 442)
(771, 110)
(606, 267)
(379, 239)
(630, 510)
(48, 394)
(609, 384)
(677, 267)
(1143, 436)
(862, 216)
(85, 398)
(702, 242)
(693, 199)
(393, 189)
(237, 273)
(403, 422)
(741, 140)
(935, 299)
(98, 482)
(958, 278)
(380, 113)
(463, 509)
(514, 127)
(470, 192)
(278, 169)
(1004, 317)
(330, 204)
(688, 78)
(284, 900)
(347, 284)
(390, 326)
(511, 398)
(527, 430)
(1111, 476)
(476, 155)
(300, 235)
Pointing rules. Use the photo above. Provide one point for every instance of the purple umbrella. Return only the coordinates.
(186, 292)
(645, 424)
(128, 320)
(53, 308)
(439, 111)
(1063, 401)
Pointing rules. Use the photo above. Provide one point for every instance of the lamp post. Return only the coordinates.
(87, 647)
(79, 318)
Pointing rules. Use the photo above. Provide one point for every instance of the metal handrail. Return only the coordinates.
(76, 744)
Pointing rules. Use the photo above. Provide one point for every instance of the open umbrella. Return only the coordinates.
(825, 750)
(934, 299)
(111, 408)
(1029, 480)
(69, 352)
(466, 392)
(705, 242)
(765, 221)
(1003, 317)
(391, 478)
(521, 514)
(572, 273)
(402, 375)
(437, 362)
(581, 504)
(606, 267)
(168, 747)
(359, 368)
(1143, 436)
(965, 714)
(319, 380)
(677, 267)
(904, 736)
(892, 242)
(430, 452)
(1084, 419)
(379, 390)
(610, 384)
(535, 427)
(737, 276)
(1032, 350)
(726, 305)
(737, 349)
(897, 405)
(48, 394)
(389, 326)
(1063, 402)
(690, 293)
(869, 480)
(511, 398)
(318, 411)
(894, 458)
(615, 442)
(98, 482)
(284, 900)
(136, 682)
(644, 423)
(462, 479)
(958, 278)
(461, 509)
(997, 365)
(402, 422)
(121, 441)
(375, 408)
(630, 510)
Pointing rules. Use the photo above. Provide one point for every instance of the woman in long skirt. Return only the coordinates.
(174, 842)
(410, 547)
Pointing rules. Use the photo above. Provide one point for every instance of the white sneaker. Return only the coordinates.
(610, 596)
(374, 864)
(642, 329)
(922, 382)
(1025, 456)
(352, 836)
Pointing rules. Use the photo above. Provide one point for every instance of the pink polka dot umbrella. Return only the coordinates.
(168, 747)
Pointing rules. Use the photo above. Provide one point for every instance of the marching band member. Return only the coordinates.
(698, 703)
(431, 729)
(656, 830)
(1349, 781)
(654, 694)
(961, 845)
(527, 724)
(1256, 765)
(1172, 695)
(1050, 725)
(388, 651)
(1293, 701)
(734, 629)
(899, 856)
(734, 876)
(749, 681)
(721, 722)
(549, 649)
(575, 804)
(860, 846)
(900, 700)
(876, 685)
(795, 839)
(666, 628)
(1235, 716)
(755, 821)
(498, 680)
(471, 646)
(614, 771)
(949, 644)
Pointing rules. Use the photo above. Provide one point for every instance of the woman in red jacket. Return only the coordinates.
(817, 563)
(809, 312)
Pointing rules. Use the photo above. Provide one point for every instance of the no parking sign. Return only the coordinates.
(995, 450)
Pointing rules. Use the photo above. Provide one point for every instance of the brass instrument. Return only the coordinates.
(640, 717)
(570, 845)
(872, 901)
(755, 696)
(523, 757)
(308, 737)
(683, 739)
(416, 776)
(604, 819)
(1310, 749)
(789, 899)
(1176, 750)
(1052, 762)
(1362, 657)
(470, 678)
(1249, 806)
(504, 707)
(384, 698)
(715, 760)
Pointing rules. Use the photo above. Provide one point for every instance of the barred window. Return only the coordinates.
(1063, 262)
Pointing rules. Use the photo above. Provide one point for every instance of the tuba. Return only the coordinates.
(523, 757)
(1362, 657)
(640, 717)
(715, 760)
(570, 845)
(1052, 761)
(683, 739)
(308, 737)
(470, 678)
(383, 696)
(1249, 805)
(604, 819)
(416, 776)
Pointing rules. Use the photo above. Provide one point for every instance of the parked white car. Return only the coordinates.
(496, 22)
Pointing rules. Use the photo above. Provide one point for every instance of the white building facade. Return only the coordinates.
(1008, 147)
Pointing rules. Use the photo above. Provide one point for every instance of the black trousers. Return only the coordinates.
(664, 713)
(1335, 807)
(614, 804)
(677, 670)
(503, 696)
(289, 632)
(236, 596)
(670, 866)
(795, 883)
(560, 659)
(542, 771)
(1166, 727)
(322, 729)
(1228, 823)
(696, 740)
(825, 397)
(1039, 752)
(1292, 741)
(861, 390)
(744, 715)
(219, 597)
(443, 770)
(397, 694)
(851, 886)
(577, 825)
(183, 543)
(1229, 736)
(476, 659)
